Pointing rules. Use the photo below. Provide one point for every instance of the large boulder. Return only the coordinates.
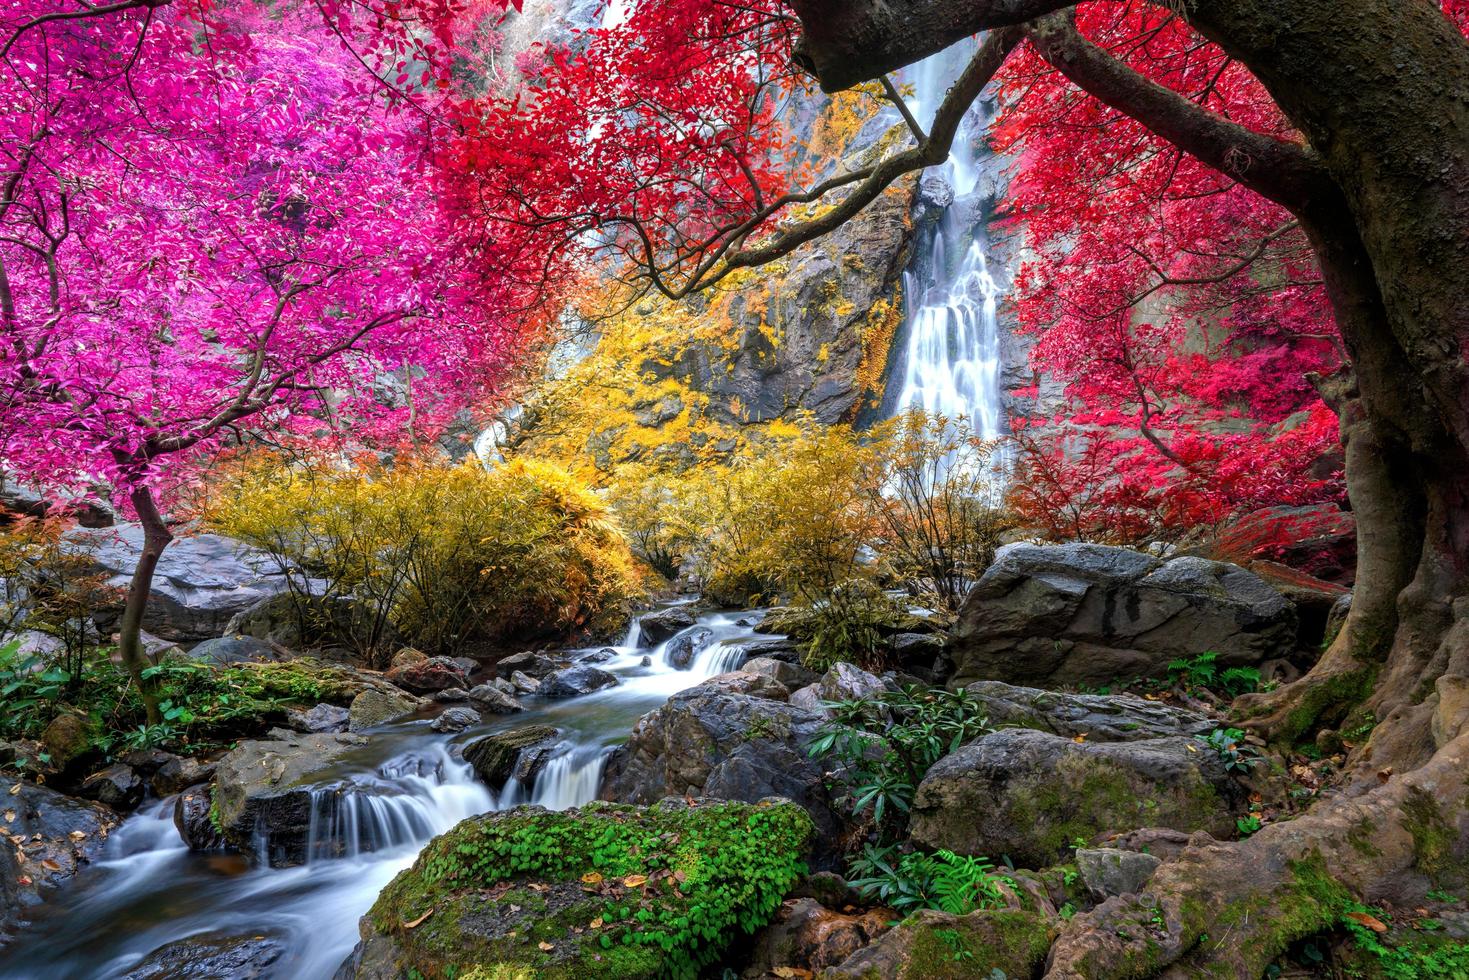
(224, 650)
(706, 742)
(118, 786)
(491, 899)
(576, 681)
(47, 837)
(265, 788)
(429, 674)
(530, 664)
(494, 757)
(1030, 795)
(201, 582)
(213, 955)
(664, 624)
(375, 707)
(684, 647)
(1096, 717)
(1086, 614)
(492, 699)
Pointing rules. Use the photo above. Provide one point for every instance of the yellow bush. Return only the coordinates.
(441, 555)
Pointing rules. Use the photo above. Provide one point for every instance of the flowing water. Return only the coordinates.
(374, 812)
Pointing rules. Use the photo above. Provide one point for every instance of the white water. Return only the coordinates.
(951, 363)
(369, 820)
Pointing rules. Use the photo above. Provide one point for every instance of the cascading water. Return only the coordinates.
(368, 821)
(951, 363)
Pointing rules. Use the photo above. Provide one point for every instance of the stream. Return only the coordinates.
(402, 788)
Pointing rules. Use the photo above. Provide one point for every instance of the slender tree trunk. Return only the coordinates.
(156, 537)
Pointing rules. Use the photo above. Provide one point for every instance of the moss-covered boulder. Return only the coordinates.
(1030, 795)
(494, 756)
(608, 890)
(929, 944)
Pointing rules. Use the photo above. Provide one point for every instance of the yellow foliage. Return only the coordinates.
(877, 333)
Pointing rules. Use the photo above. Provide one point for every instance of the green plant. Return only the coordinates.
(1229, 745)
(1429, 958)
(887, 742)
(845, 625)
(1202, 671)
(1247, 825)
(943, 880)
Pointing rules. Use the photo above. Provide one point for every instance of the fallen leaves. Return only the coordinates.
(545, 947)
(592, 878)
(418, 921)
(1370, 921)
(634, 881)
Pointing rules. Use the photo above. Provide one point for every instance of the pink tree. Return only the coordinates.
(217, 222)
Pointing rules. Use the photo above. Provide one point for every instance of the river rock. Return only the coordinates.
(597, 656)
(192, 817)
(576, 681)
(655, 627)
(746, 682)
(1096, 717)
(530, 664)
(374, 707)
(118, 786)
(430, 674)
(321, 718)
(773, 648)
(214, 955)
(927, 945)
(235, 650)
(793, 676)
(179, 773)
(201, 582)
(50, 837)
(263, 791)
(1028, 794)
(524, 683)
(684, 647)
(807, 935)
(455, 720)
(702, 742)
(494, 756)
(491, 699)
(1108, 871)
(1080, 614)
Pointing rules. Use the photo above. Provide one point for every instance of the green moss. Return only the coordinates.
(549, 891)
(1434, 837)
(1334, 694)
(976, 945)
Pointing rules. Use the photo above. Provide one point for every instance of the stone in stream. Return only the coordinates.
(263, 791)
(793, 676)
(597, 656)
(576, 681)
(373, 707)
(492, 699)
(321, 718)
(50, 836)
(179, 773)
(192, 817)
(455, 720)
(494, 756)
(682, 649)
(524, 683)
(1029, 795)
(1072, 614)
(530, 663)
(429, 674)
(810, 937)
(118, 786)
(218, 956)
(655, 627)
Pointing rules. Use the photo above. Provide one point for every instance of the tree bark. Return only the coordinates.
(156, 537)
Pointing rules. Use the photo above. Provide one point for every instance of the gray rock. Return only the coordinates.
(217, 956)
(682, 649)
(430, 674)
(792, 676)
(60, 835)
(1160, 842)
(576, 681)
(597, 656)
(524, 683)
(809, 699)
(191, 816)
(1098, 717)
(745, 682)
(494, 757)
(449, 695)
(455, 720)
(1028, 795)
(373, 707)
(235, 650)
(845, 682)
(1075, 614)
(201, 582)
(118, 786)
(321, 718)
(531, 664)
(491, 699)
(179, 773)
(772, 648)
(655, 627)
(1107, 871)
(263, 791)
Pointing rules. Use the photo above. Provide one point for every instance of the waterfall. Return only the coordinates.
(951, 362)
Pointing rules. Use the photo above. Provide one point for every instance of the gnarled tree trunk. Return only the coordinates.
(156, 537)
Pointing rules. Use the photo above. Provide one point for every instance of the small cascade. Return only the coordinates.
(568, 779)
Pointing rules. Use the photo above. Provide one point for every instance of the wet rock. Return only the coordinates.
(192, 816)
(321, 718)
(774, 648)
(494, 756)
(808, 936)
(118, 786)
(682, 649)
(214, 955)
(1108, 871)
(490, 699)
(647, 661)
(1097, 717)
(201, 582)
(793, 676)
(576, 681)
(702, 742)
(50, 837)
(530, 664)
(449, 695)
(263, 791)
(430, 674)
(746, 682)
(468, 664)
(455, 720)
(373, 707)
(597, 656)
(179, 773)
(1077, 614)
(664, 624)
(540, 922)
(930, 944)
(1029, 794)
(524, 683)
(236, 650)
(66, 738)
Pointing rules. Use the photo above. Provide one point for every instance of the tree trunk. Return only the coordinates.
(156, 537)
